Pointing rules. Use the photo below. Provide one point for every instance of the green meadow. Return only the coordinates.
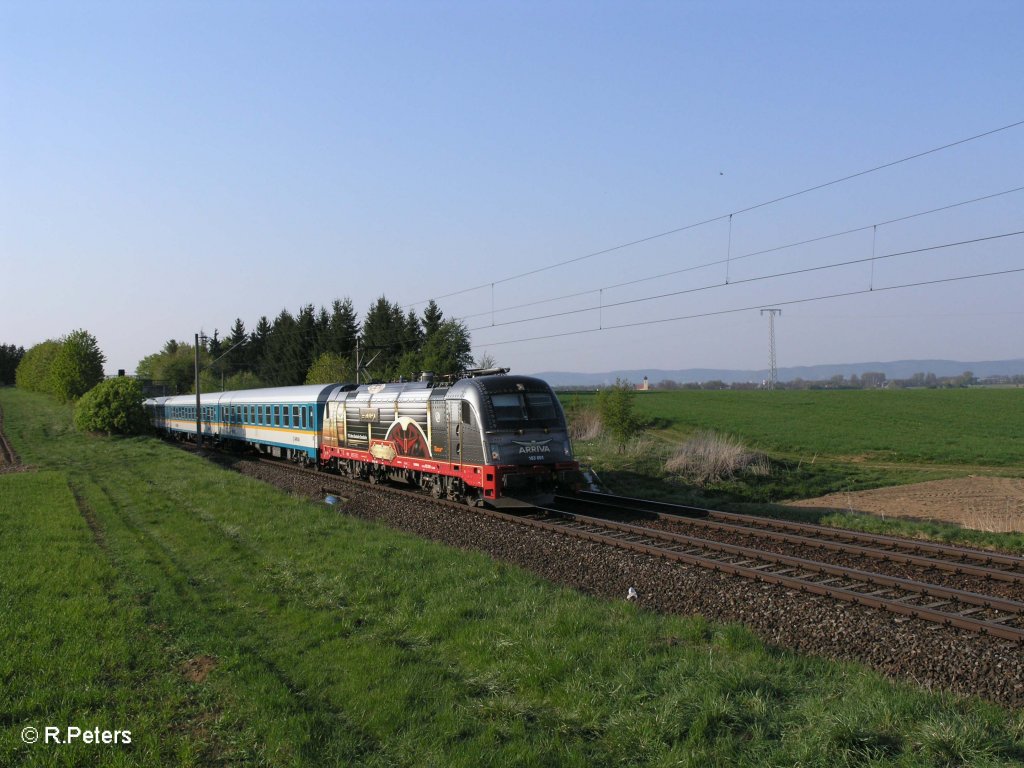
(815, 443)
(956, 428)
(224, 623)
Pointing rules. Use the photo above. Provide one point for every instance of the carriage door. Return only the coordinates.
(454, 430)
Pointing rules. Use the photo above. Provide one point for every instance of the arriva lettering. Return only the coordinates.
(534, 448)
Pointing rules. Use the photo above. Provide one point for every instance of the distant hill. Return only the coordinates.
(899, 369)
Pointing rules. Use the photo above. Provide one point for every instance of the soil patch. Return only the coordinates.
(198, 669)
(993, 504)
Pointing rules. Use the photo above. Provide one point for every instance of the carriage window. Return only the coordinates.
(303, 418)
(295, 416)
(287, 416)
(277, 416)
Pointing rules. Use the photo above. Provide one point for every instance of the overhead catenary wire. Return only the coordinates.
(752, 307)
(763, 251)
(747, 209)
(759, 278)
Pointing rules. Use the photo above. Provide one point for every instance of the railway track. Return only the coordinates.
(963, 609)
(941, 557)
(8, 458)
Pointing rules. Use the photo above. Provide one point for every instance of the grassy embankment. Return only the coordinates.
(821, 442)
(225, 623)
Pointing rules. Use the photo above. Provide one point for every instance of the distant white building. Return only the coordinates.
(644, 385)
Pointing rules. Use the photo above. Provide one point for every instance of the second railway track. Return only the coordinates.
(958, 560)
(951, 607)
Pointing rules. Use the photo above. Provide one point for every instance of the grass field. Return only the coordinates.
(819, 441)
(959, 427)
(222, 622)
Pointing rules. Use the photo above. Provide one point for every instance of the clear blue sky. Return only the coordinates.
(168, 167)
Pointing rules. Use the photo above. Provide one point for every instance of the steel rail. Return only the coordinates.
(868, 577)
(941, 556)
(8, 458)
(638, 539)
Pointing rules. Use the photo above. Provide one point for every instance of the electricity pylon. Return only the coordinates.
(774, 375)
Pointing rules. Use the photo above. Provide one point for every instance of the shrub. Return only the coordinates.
(329, 368)
(33, 373)
(708, 457)
(615, 404)
(78, 366)
(585, 424)
(113, 407)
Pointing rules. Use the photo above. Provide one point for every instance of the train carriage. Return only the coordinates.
(282, 421)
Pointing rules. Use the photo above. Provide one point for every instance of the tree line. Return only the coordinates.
(10, 357)
(316, 346)
(66, 368)
(867, 380)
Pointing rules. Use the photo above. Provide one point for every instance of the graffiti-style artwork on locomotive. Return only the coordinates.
(407, 437)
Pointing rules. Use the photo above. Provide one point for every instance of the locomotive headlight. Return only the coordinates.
(495, 454)
(565, 447)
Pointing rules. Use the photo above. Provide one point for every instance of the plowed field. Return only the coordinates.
(984, 503)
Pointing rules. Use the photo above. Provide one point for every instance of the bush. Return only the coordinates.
(113, 407)
(78, 366)
(708, 457)
(615, 404)
(33, 373)
(585, 424)
(329, 368)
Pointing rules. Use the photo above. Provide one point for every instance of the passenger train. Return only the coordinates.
(486, 438)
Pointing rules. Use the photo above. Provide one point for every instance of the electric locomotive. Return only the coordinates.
(486, 437)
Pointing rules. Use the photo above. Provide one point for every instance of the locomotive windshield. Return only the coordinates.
(525, 409)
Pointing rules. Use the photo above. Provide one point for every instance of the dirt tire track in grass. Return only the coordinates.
(89, 515)
(196, 719)
(223, 621)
